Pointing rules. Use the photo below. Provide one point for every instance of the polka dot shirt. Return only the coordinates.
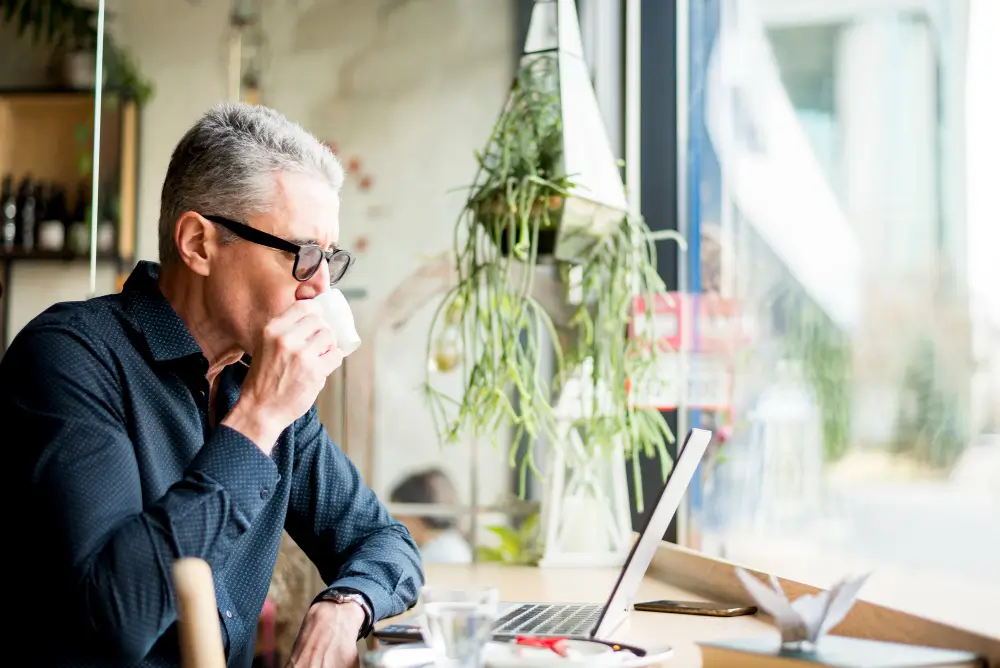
(118, 472)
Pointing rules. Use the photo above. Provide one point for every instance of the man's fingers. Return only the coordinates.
(303, 332)
(321, 342)
(301, 310)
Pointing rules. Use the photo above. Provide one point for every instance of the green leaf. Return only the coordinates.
(510, 542)
(527, 531)
(490, 554)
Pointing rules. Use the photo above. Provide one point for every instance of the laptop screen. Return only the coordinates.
(643, 550)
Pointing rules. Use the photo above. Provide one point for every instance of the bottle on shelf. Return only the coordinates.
(42, 194)
(107, 225)
(8, 214)
(78, 228)
(52, 224)
(26, 214)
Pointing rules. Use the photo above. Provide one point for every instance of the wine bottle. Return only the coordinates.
(78, 230)
(52, 224)
(26, 214)
(8, 213)
(106, 226)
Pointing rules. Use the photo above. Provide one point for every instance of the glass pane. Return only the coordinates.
(862, 431)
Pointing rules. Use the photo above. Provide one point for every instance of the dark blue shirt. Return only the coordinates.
(118, 471)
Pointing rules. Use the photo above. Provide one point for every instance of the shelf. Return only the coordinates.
(110, 94)
(48, 256)
(47, 92)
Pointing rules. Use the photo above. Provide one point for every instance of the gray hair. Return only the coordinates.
(225, 166)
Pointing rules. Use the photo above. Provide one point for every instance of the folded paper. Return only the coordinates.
(808, 618)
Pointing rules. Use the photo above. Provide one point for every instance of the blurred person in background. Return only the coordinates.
(438, 539)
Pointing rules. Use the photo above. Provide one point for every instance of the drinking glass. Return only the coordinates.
(457, 623)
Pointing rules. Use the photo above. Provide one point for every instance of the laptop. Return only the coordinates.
(586, 621)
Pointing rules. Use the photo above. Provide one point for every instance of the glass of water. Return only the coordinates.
(457, 623)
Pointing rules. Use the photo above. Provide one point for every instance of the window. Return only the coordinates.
(833, 160)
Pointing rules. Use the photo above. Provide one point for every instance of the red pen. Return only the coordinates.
(558, 645)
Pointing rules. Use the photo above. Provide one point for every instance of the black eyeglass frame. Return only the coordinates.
(261, 238)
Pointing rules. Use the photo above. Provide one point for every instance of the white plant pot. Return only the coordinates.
(80, 69)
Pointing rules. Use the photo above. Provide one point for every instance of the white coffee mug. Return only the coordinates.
(338, 314)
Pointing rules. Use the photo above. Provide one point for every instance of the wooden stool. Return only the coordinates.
(197, 615)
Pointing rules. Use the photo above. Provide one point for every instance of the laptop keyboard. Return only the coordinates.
(560, 619)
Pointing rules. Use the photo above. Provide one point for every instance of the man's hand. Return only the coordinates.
(329, 636)
(296, 353)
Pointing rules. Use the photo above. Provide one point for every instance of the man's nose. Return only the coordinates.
(317, 284)
(322, 276)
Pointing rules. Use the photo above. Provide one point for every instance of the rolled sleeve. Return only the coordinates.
(345, 529)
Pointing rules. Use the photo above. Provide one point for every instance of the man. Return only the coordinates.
(147, 432)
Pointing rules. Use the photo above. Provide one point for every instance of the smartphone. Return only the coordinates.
(697, 608)
(399, 633)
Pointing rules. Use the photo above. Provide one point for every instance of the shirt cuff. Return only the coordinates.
(240, 467)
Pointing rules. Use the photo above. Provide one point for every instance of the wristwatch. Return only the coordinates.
(344, 595)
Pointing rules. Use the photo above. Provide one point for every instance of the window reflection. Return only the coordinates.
(834, 212)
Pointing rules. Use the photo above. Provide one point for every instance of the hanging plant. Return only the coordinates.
(523, 188)
(512, 222)
(612, 274)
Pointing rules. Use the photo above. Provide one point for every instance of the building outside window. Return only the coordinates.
(832, 144)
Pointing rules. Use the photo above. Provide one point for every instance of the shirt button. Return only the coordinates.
(229, 614)
(264, 493)
(279, 477)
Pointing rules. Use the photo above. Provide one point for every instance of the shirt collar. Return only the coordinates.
(166, 334)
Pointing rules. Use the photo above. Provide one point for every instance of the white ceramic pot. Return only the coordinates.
(80, 69)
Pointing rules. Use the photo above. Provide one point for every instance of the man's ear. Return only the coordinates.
(197, 241)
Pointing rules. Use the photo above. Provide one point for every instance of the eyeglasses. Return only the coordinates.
(307, 256)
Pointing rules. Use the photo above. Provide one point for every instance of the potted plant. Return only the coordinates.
(72, 29)
(520, 171)
(525, 214)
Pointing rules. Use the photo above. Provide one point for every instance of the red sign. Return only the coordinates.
(718, 327)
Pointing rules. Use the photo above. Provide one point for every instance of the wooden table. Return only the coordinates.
(677, 573)
(581, 585)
